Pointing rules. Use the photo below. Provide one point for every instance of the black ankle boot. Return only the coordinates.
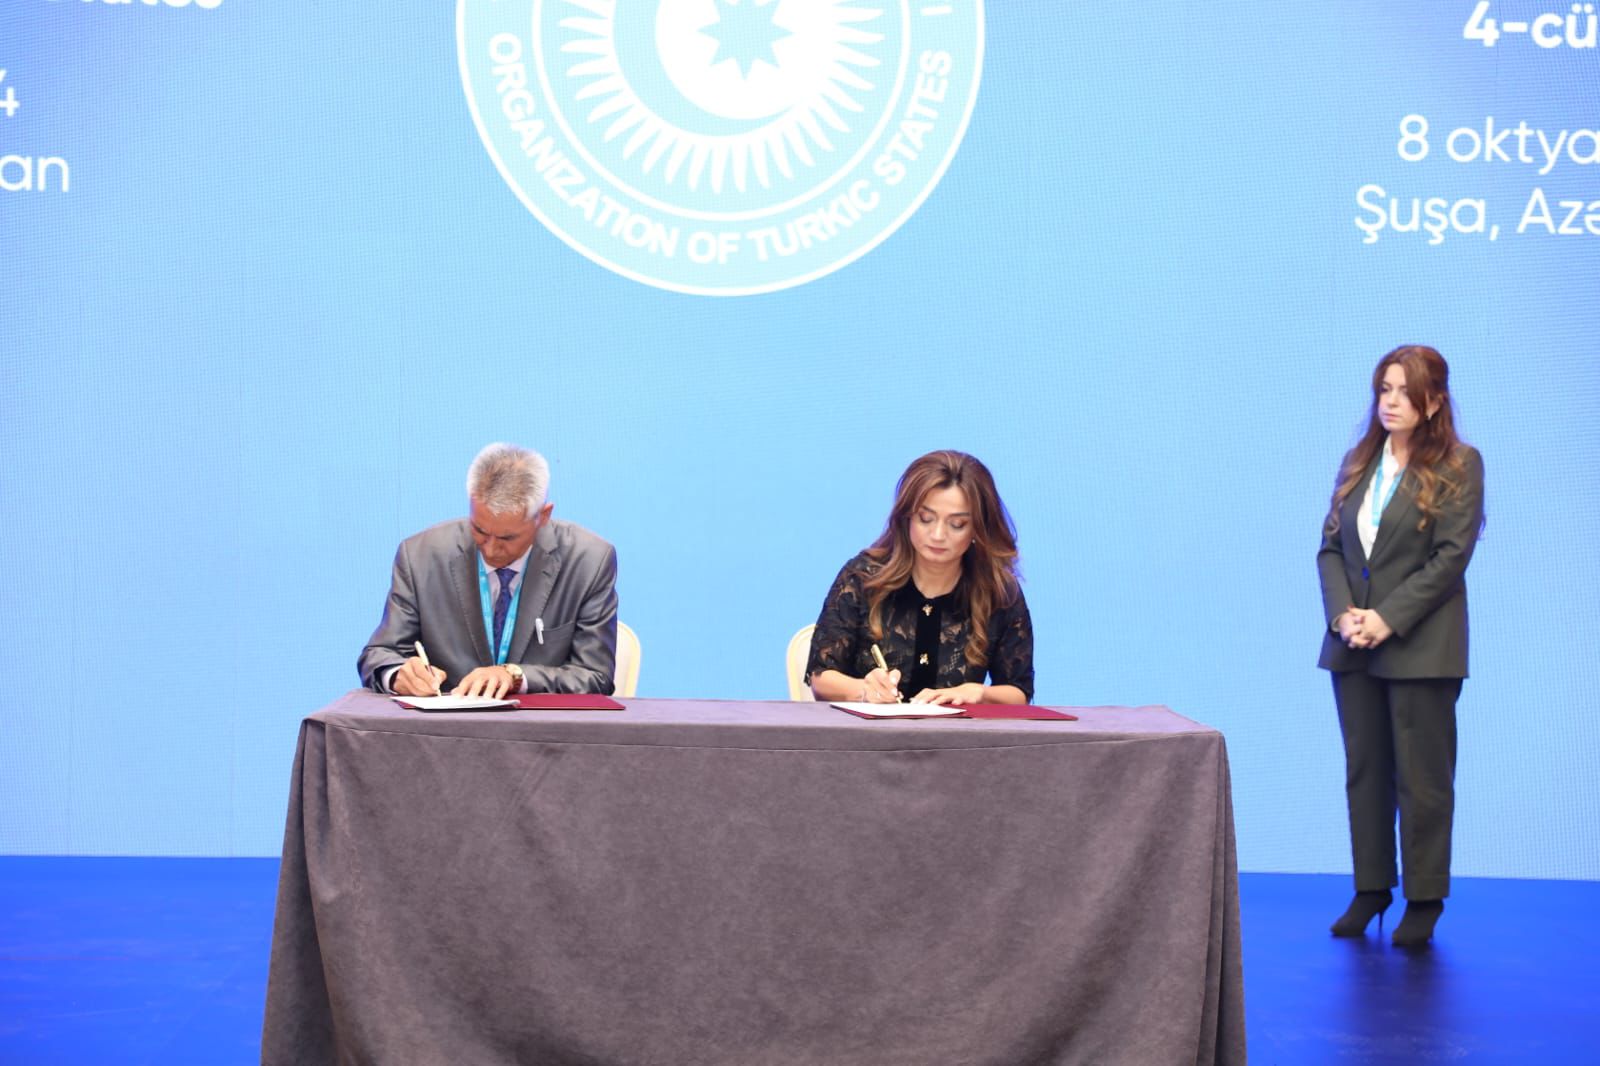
(1416, 927)
(1354, 921)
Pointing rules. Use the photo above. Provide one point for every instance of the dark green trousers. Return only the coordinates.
(1400, 758)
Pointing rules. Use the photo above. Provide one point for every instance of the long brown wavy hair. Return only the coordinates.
(988, 567)
(1435, 459)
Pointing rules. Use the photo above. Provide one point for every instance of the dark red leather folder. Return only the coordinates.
(566, 701)
(1013, 711)
(1010, 710)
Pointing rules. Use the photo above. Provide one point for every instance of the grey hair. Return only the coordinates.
(507, 479)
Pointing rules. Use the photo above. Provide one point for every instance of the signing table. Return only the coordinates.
(699, 882)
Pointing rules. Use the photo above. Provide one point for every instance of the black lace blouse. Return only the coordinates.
(925, 638)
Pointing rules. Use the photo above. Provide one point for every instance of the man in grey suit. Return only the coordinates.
(506, 600)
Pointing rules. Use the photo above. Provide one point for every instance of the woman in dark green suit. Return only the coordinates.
(1405, 516)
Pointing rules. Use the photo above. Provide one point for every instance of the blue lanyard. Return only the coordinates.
(1380, 498)
(504, 649)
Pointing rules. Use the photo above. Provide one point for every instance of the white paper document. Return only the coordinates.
(452, 703)
(900, 710)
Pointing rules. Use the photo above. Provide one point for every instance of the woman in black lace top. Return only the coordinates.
(937, 593)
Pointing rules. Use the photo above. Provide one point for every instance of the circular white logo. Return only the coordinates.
(722, 147)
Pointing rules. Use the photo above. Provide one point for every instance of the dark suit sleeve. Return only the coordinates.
(399, 629)
(592, 662)
(1454, 536)
(1336, 595)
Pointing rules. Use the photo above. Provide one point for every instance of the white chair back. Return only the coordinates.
(625, 680)
(795, 661)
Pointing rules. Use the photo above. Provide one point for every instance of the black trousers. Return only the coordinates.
(1400, 757)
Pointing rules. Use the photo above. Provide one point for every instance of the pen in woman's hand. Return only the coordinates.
(877, 656)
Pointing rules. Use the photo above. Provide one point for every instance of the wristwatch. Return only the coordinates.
(516, 675)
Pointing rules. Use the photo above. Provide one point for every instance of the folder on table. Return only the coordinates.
(453, 704)
(899, 710)
(534, 701)
(567, 701)
(1023, 712)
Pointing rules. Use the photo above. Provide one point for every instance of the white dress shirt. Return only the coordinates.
(1366, 520)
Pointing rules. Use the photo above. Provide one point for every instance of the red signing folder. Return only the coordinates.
(567, 701)
(1010, 710)
(955, 710)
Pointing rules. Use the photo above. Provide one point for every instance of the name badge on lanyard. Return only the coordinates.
(1380, 498)
(487, 600)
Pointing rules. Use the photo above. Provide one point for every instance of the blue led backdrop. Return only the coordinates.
(271, 273)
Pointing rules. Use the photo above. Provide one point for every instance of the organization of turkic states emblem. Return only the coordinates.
(722, 147)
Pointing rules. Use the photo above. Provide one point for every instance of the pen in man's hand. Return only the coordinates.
(426, 665)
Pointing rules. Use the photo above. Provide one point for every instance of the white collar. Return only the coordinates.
(518, 564)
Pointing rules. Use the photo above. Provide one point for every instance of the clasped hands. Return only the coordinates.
(1363, 629)
(883, 686)
(415, 679)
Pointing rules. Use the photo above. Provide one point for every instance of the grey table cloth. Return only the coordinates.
(698, 882)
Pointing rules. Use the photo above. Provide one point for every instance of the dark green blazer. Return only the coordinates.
(1415, 580)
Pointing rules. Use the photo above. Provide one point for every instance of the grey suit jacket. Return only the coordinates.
(1415, 580)
(570, 584)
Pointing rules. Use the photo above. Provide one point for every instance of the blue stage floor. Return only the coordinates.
(163, 961)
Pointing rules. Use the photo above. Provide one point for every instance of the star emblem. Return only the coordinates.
(745, 33)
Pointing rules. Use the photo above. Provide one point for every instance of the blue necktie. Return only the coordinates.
(502, 604)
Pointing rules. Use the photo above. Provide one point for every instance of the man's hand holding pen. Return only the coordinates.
(417, 676)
